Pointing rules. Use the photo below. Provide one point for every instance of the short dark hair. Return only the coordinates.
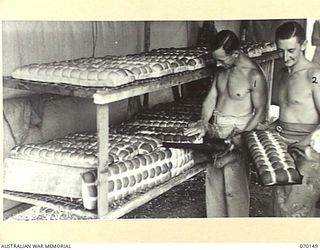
(289, 30)
(227, 40)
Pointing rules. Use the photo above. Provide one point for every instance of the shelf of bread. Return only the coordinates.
(258, 49)
(67, 167)
(113, 78)
(112, 71)
(166, 122)
(108, 95)
(131, 183)
(116, 208)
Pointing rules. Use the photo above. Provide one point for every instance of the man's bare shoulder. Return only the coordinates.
(313, 74)
(256, 74)
(248, 65)
(247, 62)
(314, 70)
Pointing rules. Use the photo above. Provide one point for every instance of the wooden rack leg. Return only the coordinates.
(270, 88)
(103, 144)
(176, 93)
(268, 68)
(145, 101)
(134, 106)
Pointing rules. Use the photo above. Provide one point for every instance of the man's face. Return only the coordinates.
(223, 60)
(292, 50)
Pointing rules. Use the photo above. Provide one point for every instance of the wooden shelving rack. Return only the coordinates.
(102, 97)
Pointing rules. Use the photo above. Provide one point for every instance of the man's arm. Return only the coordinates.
(259, 97)
(208, 107)
(316, 90)
(209, 103)
(315, 81)
(315, 37)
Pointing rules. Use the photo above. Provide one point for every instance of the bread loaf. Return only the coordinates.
(89, 190)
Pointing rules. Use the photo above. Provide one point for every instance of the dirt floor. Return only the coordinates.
(186, 200)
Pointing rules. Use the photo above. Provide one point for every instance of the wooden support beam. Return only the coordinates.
(268, 68)
(103, 144)
(147, 42)
(134, 106)
(176, 93)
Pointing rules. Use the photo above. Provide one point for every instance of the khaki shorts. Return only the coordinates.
(222, 125)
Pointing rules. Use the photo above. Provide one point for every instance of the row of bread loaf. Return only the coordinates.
(269, 153)
(257, 49)
(111, 71)
(159, 123)
(140, 173)
(80, 149)
(165, 134)
(165, 121)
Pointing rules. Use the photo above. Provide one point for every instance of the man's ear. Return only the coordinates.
(304, 45)
(236, 53)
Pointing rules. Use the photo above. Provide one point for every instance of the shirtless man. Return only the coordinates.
(236, 102)
(299, 101)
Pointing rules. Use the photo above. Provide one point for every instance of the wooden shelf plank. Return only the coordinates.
(49, 88)
(143, 87)
(37, 202)
(107, 95)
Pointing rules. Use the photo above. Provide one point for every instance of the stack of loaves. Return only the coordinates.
(274, 164)
(257, 49)
(112, 71)
(135, 163)
(142, 172)
(80, 149)
(166, 122)
(137, 160)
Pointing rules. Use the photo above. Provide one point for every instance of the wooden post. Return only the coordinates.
(268, 68)
(147, 36)
(103, 144)
(270, 88)
(176, 93)
(134, 106)
(146, 49)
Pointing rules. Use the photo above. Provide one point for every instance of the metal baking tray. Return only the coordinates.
(209, 144)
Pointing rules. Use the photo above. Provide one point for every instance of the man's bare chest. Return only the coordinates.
(295, 89)
(233, 84)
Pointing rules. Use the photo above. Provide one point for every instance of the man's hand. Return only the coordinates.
(235, 138)
(266, 125)
(198, 128)
(312, 155)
